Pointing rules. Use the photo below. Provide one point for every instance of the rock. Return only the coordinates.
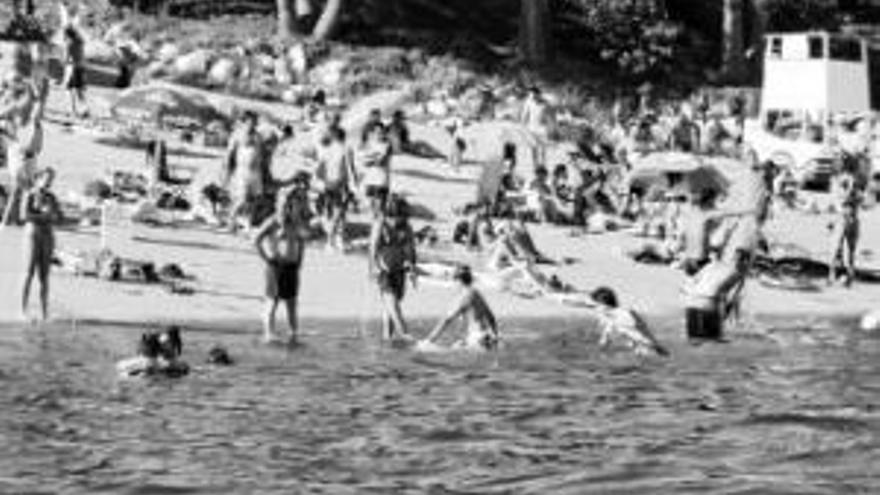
(194, 63)
(299, 61)
(283, 75)
(223, 71)
(156, 69)
(266, 62)
(329, 73)
(168, 52)
(870, 322)
(97, 50)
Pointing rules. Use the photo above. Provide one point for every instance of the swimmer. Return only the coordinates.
(482, 328)
(624, 322)
(158, 354)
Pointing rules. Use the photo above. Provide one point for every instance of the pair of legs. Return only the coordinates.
(75, 83)
(334, 218)
(269, 331)
(38, 252)
(391, 292)
(844, 243)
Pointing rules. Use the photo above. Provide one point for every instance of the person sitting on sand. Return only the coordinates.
(281, 243)
(392, 256)
(40, 211)
(470, 305)
(244, 167)
(516, 237)
(617, 321)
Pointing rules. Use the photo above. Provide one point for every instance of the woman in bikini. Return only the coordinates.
(392, 258)
(40, 211)
(281, 243)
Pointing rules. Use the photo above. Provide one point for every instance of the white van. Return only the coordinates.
(814, 84)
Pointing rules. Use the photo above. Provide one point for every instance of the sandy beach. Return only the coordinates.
(228, 273)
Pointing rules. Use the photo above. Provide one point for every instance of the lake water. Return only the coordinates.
(782, 411)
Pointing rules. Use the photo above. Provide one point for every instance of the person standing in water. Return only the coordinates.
(845, 227)
(244, 168)
(281, 243)
(470, 305)
(40, 211)
(392, 256)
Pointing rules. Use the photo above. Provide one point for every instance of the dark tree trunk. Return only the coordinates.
(534, 31)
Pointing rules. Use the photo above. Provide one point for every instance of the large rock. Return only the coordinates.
(329, 73)
(223, 71)
(168, 52)
(98, 51)
(299, 60)
(194, 63)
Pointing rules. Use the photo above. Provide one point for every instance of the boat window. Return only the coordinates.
(817, 47)
(848, 50)
(776, 47)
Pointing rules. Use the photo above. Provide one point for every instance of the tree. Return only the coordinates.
(733, 44)
(289, 11)
(534, 30)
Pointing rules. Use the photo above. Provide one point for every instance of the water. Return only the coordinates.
(788, 411)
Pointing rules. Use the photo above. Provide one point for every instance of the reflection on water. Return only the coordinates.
(789, 412)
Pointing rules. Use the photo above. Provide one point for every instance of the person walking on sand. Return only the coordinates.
(40, 211)
(534, 116)
(281, 243)
(335, 172)
(245, 176)
(74, 79)
(481, 326)
(392, 255)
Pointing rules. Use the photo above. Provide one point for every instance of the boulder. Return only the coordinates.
(223, 71)
(99, 51)
(156, 69)
(283, 75)
(329, 73)
(299, 61)
(194, 63)
(168, 52)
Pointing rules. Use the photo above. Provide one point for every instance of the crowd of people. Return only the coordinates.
(278, 197)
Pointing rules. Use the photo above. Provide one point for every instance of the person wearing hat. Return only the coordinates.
(481, 327)
(281, 244)
(614, 320)
(40, 210)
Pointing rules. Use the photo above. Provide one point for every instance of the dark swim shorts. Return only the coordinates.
(282, 280)
(393, 282)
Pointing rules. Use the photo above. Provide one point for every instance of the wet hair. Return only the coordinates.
(150, 346)
(605, 296)
(560, 170)
(220, 356)
(540, 171)
(463, 274)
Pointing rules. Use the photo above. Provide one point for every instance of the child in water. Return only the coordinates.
(624, 322)
(158, 354)
(481, 326)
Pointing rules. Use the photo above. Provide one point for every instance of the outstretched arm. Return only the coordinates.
(457, 310)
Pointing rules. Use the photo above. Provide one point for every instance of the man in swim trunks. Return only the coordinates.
(334, 173)
(472, 308)
(392, 256)
(281, 243)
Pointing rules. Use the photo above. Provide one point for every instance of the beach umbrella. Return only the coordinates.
(155, 103)
(695, 175)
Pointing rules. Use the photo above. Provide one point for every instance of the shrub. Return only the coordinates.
(635, 38)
